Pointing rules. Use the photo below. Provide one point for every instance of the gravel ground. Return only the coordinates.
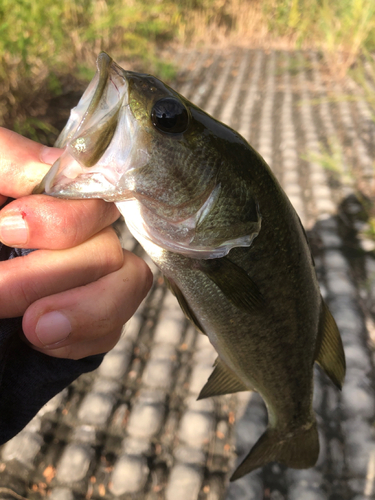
(133, 429)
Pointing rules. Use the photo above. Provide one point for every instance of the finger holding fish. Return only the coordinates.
(45, 272)
(34, 222)
(42, 222)
(23, 163)
(56, 326)
(78, 265)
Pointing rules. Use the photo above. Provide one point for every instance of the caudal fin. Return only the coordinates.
(298, 449)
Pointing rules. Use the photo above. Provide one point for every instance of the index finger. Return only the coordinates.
(23, 163)
(40, 221)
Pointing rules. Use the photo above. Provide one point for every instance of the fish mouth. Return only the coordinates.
(91, 166)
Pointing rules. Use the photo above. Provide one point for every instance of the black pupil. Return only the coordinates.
(170, 115)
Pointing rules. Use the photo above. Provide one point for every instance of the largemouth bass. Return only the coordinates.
(210, 213)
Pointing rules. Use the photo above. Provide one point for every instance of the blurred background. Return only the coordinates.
(48, 48)
(296, 78)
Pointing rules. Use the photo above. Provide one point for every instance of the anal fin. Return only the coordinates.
(222, 381)
(329, 349)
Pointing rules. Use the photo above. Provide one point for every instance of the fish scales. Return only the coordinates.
(210, 213)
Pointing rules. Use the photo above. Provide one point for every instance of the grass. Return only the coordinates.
(332, 159)
(216, 21)
(342, 29)
(44, 43)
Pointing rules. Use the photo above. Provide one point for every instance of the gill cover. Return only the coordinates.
(133, 140)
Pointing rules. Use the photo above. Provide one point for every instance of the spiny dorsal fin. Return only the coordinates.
(329, 350)
(183, 304)
(234, 282)
(222, 381)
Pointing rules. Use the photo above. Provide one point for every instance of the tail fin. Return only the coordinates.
(299, 450)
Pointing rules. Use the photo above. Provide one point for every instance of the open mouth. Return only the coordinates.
(89, 167)
(103, 96)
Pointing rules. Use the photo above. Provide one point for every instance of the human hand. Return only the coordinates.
(79, 287)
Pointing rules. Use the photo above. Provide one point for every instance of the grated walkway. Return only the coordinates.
(133, 429)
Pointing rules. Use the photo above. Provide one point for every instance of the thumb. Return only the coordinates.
(23, 163)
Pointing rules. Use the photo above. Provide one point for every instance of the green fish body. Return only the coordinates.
(210, 213)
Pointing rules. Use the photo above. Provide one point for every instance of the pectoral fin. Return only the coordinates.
(183, 303)
(329, 349)
(234, 282)
(222, 381)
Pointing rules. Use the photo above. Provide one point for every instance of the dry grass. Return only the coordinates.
(43, 42)
(224, 22)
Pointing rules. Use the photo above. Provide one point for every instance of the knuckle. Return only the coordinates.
(28, 290)
(144, 274)
(115, 315)
(91, 217)
(148, 277)
(75, 225)
(108, 213)
(112, 338)
(110, 253)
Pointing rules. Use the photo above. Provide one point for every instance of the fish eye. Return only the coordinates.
(170, 115)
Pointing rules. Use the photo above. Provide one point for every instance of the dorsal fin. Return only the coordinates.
(234, 282)
(329, 349)
(183, 303)
(222, 381)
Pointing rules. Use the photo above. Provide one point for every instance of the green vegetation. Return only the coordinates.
(332, 159)
(47, 32)
(44, 40)
(46, 44)
(342, 29)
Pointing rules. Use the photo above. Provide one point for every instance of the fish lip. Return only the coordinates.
(103, 64)
(76, 189)
(111, 91)
(74, 125)
(106, 67)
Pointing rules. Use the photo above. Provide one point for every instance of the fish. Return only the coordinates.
(210, 213)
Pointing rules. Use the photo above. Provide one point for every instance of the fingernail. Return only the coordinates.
(13, 230)
(49, 155)
(52, 328)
